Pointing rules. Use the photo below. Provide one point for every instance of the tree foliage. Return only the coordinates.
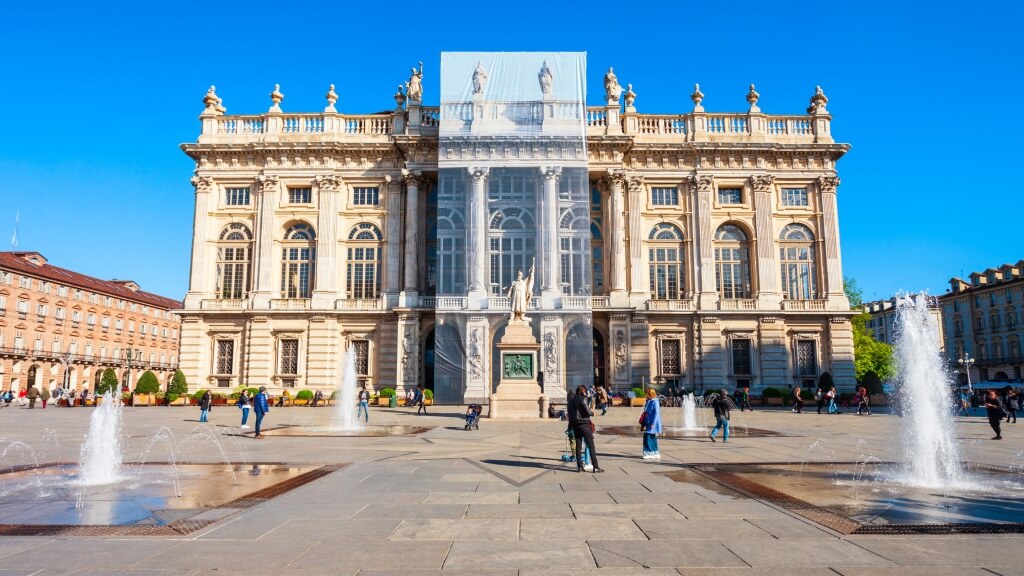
(108, 382)
(178, 384)
(147, 384)
(869, 355)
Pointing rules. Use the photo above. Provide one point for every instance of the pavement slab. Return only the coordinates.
(519, 554)
(462, 529)
(662, 553)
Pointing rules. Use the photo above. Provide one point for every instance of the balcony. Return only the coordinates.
(450, 303)
(289, 304)
(803, 305)
(670, 305)
(225, 304)
(358, 304)
(600, 302)
(426, 302)
(737, 304)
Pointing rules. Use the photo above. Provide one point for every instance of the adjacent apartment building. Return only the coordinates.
(60, 328)
(982, 318)
(710, 241)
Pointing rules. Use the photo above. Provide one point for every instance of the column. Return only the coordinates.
(840, 352)
(407, 376)
(618, 330)
(769, 296)
(617, 252)
(711, 351)
(552, 355)
(412, 234)
(704, 186)
(773, 356)
(199, 269)
(327, 262)
(266, 227)
(393, 232)
(550, 260)
(830, 227)
(476, 224)
(638, 287)
(478, 360)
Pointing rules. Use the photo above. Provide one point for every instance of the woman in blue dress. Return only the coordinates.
(651, 425)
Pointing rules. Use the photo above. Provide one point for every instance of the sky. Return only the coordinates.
(98, 97)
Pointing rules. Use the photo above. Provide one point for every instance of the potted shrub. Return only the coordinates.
(197, 396)
(303, 398)
(772, 396)
(385, 397)
(177, 390)
(640, 397)
(219, 399)
(145, 389)
(108, 383)
(428, 397)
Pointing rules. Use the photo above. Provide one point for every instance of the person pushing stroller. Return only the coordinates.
(473, 416)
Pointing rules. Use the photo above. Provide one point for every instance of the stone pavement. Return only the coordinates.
(500, 501)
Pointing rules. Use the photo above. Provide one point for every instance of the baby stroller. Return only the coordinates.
(570, 451)
(473, 416)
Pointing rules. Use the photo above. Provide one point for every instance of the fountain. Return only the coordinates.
(345, 415)
(689, 414)
(101, 451)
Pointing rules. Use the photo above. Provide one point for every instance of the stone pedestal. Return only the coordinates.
(518, 394)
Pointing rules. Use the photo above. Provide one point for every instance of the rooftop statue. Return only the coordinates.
(612, 89)
(479, 79)
(520, 293)
(414, 87)
(546, 79)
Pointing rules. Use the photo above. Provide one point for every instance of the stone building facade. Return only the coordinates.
(983, 320)
(59, 328)
(714, 247)
(883, 318)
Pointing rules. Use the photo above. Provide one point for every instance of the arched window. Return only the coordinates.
(796, 255)
(364, 261)
(233, 252)
(512, 236)
(732, 262)
(574, 245)
(665, 252)
(298, 261)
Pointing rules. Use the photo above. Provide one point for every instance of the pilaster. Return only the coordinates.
(327, 262)
(550, 253)
(769, 296)
(477, 230)
(393, 243)
(266, 228)
(704, 190)
(618, 330)
(478, 370)
(616, 182)
(407, 368)
(835, 295)
(200, 270)
(639, 289)
(710, 361)
(840, 351)
(552, 357)
(412, 199)
(773, 353)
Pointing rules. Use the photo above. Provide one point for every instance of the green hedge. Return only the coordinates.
(108, 382)
(639, 392)
(304, 395)
(388, 392)
(428, 394)
(147, 384)
(772, 393)
(198, 395)
(178, 384)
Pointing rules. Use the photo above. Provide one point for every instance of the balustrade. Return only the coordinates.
(670, 305)
(803, 305)
(289, 304)
(358, 304)
(737, 304)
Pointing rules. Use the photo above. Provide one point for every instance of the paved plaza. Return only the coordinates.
(501, 501)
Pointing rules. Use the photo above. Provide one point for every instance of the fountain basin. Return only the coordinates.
(49, 499)
(699, 433)
(329, 431)
(876, 498)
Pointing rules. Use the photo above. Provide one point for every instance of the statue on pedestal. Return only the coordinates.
(414, 87)
(546, 79)
(520, 293)
(612, 89)
(479, 79)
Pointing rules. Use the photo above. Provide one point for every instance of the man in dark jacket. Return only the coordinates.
(579, 420)
(261, 407)
(32, 394)
(721, 406)
(996, 413)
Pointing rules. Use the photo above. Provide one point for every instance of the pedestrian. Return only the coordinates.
(1012, 405)
(421, 401)
(819, 397)
(44, 395)
(261, 407)
(745, 399)
(720, 404)
(830, 396)
(318, 397)
(602, 400)
(205, 403)
(364, 402)
(244, 402)
(996, 413)
(85, 396)
(798, 402)
(651, 423)
(964, 403)
(582, 427)
(863, 401)
(32, 394)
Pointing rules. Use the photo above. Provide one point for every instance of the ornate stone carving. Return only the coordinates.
(476, 368)
(332, 99)
(550, 172)
(709, 319)
(828, 183)
(202, 183)
(267, 181)
(546, 80)
(620, 353)
(213, 103)
(697, 98)
(329, 182)
(414, 87)
(479, 173)
(769, 320)
(479, 79)
(612, 89)
(412, 177)
(276, 97)
(704, 183)
(762, 182)
(399, 96)
(630, 96)
(752, 98)
(818, 102)
(409, 355)
(550, 357)
(636, 182)
(838, 319)
(617, 177)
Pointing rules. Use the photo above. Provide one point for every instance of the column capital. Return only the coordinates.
(266, 181)
(762, 182)
(412, 177)
(635, 182)
(701, 182)
(828, 183)
(202, 183)
(330, 182)
(616, 177)
(550, 172)
(478, 173)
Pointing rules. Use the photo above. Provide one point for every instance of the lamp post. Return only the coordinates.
(965, 361)
(65, 361)
(129, 355)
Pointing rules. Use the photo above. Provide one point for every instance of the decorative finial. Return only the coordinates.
(399, 97)
(332, 99)
(213, 102)
(818, 102)
(752, 98)
(697, 98)
(276, 97)
(630, 97)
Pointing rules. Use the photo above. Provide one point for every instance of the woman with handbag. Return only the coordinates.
(650, 421)
(582, 428)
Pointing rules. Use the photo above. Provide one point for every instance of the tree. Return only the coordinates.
(869, 355)
(108, 382)
(825, 381)
(872, 382)
(148, 384)
(178, 384)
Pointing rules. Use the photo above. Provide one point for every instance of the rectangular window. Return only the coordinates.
(25, 282)
(41, 311)
(119, 324)
(794, 196)
(44, 287)
(62, 291)
(236, 196)
(3, 305)
(741, 364)
(225, 356)
(105, 322)
(665, 196)
(131, 326)
(90, 319)
(289, 362)
(670, 364)
(76, 316)
(362, 357)
(299, 195)
(22, 308)
(367, 196)
(730, 196)
(806, 358)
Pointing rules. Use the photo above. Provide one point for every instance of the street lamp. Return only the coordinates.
(965, 361)
(65, 361)
(130, 355)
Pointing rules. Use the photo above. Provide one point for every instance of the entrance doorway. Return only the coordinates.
(579, 356)
(598, 362)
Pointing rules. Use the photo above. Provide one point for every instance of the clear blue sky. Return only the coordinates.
(97, 99)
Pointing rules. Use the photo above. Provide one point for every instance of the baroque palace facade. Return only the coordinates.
(60, 328)
(713, 254)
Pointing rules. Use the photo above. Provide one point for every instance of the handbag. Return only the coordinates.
(643, 419)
